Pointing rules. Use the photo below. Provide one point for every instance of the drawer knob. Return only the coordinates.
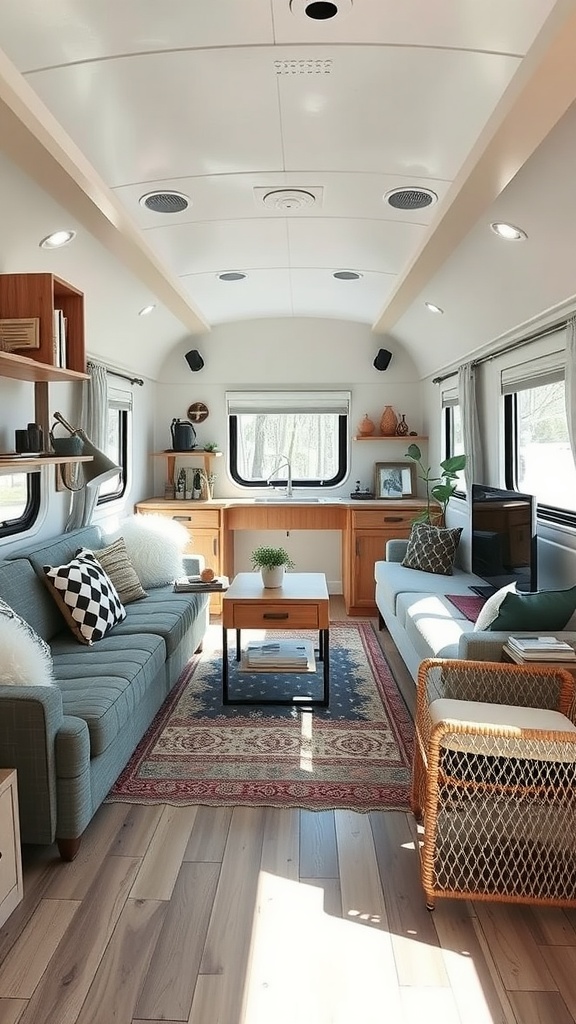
(276, 615)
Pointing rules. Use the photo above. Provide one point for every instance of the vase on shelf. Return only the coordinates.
(366, 427)
(388, 422)
(402, 427)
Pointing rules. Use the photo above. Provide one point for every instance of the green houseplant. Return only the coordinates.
(272, 562)
(438, 488)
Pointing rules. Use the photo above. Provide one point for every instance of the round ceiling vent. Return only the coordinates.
(410, 198)
(165, 202)
(346, 275)
(231, 275)
(289, 199)
(320, 10)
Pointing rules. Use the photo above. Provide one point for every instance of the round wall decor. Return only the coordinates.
(197, 412)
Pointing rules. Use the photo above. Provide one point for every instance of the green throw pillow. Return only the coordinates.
(542, 611)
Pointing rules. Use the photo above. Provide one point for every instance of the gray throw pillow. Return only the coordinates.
(115, 561)
(432, 548)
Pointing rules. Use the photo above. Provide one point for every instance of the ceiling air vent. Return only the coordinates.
(284, 199)
(410, 198)
(165, 202)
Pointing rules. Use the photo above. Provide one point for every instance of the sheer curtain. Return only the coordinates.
(474, 469)
(94, 421)
(570, 383)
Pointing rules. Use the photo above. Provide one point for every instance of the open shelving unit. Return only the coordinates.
(170, 455)
(391, 437)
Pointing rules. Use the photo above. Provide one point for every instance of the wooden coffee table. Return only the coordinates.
(300, 603)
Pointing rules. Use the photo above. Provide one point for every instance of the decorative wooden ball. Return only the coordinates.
(207, 575)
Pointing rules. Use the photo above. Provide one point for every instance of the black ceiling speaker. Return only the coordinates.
(382, 361)
(194, 359)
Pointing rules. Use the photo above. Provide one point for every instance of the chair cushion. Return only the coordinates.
(431, 548)
(511, 719)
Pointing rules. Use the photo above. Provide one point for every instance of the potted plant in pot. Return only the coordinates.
(440, 488)
(272, 562)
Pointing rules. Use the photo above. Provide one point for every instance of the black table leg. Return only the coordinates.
(325, 636)
(225, 698)
(238, 645)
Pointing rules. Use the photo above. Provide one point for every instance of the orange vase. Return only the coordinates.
(388, 422)
(366, 427)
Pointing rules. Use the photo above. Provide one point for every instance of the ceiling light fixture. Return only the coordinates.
(231, 275)
(346, 275)
(433, 308)
(320, 10)
(56, 239)
(165, 201)
(508, 231)
(146, 309)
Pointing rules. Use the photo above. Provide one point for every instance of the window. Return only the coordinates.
(453, 436)
(119, 412)
(538, 455)
(308, 429)
(19, 502)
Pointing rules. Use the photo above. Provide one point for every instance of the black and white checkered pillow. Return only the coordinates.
(86, 597)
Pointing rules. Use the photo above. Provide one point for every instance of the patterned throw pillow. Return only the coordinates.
(115, 561)
(86, 597)
(432, 548)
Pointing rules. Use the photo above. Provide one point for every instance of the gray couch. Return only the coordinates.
(421, 620)
(70, 742)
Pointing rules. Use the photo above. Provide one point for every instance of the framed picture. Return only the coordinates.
(394, 480)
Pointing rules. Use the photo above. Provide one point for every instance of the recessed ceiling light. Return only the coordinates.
(231, 275)
(508, 231)
(346, 275)
(146, 309)
(58, 238)
(433, 308)
(165, 201)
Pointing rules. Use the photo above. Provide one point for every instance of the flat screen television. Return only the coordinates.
(503, 532)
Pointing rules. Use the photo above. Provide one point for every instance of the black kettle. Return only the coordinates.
(183, 435)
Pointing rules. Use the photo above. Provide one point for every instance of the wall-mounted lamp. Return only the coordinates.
(94, 473)
(194, 360)
(382, 361)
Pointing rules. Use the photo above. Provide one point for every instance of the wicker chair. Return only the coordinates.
(494, 783)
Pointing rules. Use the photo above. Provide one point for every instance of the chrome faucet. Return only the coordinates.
(280, 465)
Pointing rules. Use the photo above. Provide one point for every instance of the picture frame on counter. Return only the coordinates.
(394, 480)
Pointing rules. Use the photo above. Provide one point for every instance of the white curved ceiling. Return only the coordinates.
(103, 101)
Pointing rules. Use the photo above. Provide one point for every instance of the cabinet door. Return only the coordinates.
(369, 547)
(207, 543)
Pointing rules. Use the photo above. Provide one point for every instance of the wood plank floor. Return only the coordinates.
(266, 916)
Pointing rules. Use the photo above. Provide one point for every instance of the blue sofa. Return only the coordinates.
(69, 742)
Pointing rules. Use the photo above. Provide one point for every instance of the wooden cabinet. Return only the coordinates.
(368, 532)
(205, 529)
(25, 296)
(10, 859)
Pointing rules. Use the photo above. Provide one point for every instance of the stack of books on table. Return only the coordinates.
(190, 584)
(540, 648)
(279, 656)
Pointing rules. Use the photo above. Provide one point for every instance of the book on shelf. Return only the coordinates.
(294, 655)
(191, 584)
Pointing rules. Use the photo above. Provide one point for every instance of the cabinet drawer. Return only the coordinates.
(8, 862)
(247, 615)
(386, 518)
(204, 517)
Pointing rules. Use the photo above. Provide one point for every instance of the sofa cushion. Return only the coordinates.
(105, 683)
(155, 546)
(392, 579)
(431, 625)
(163, 612)
(116, 563)
(432, 548)
(26, 593)
(541, 611)
(86, 597)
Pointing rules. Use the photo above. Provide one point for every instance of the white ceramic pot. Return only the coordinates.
(273, 576)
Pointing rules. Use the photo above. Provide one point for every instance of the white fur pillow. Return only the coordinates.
(23, 660)
(491, 609)
(155, 545)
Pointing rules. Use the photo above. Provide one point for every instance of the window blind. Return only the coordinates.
(260, 402)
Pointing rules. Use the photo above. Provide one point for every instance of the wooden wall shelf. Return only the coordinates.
(410, 438)
(36, 462)
(171, 456)
(23, 368)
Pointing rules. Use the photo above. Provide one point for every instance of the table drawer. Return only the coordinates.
(385, 518)
(247, 615)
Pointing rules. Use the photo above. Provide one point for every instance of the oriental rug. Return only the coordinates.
(355, 754)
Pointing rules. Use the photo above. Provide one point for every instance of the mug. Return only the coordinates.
(22, 441)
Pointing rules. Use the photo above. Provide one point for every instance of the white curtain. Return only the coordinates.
(94, 421)
(474, 469)
(570, 383)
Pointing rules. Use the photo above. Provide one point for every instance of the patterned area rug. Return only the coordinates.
(355, 754)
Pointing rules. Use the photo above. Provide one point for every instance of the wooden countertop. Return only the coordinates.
(391, 503)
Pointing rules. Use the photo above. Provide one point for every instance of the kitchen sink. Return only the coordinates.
(284, 500)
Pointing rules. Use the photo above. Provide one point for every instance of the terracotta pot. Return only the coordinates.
(388, 422)
(366, 427)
